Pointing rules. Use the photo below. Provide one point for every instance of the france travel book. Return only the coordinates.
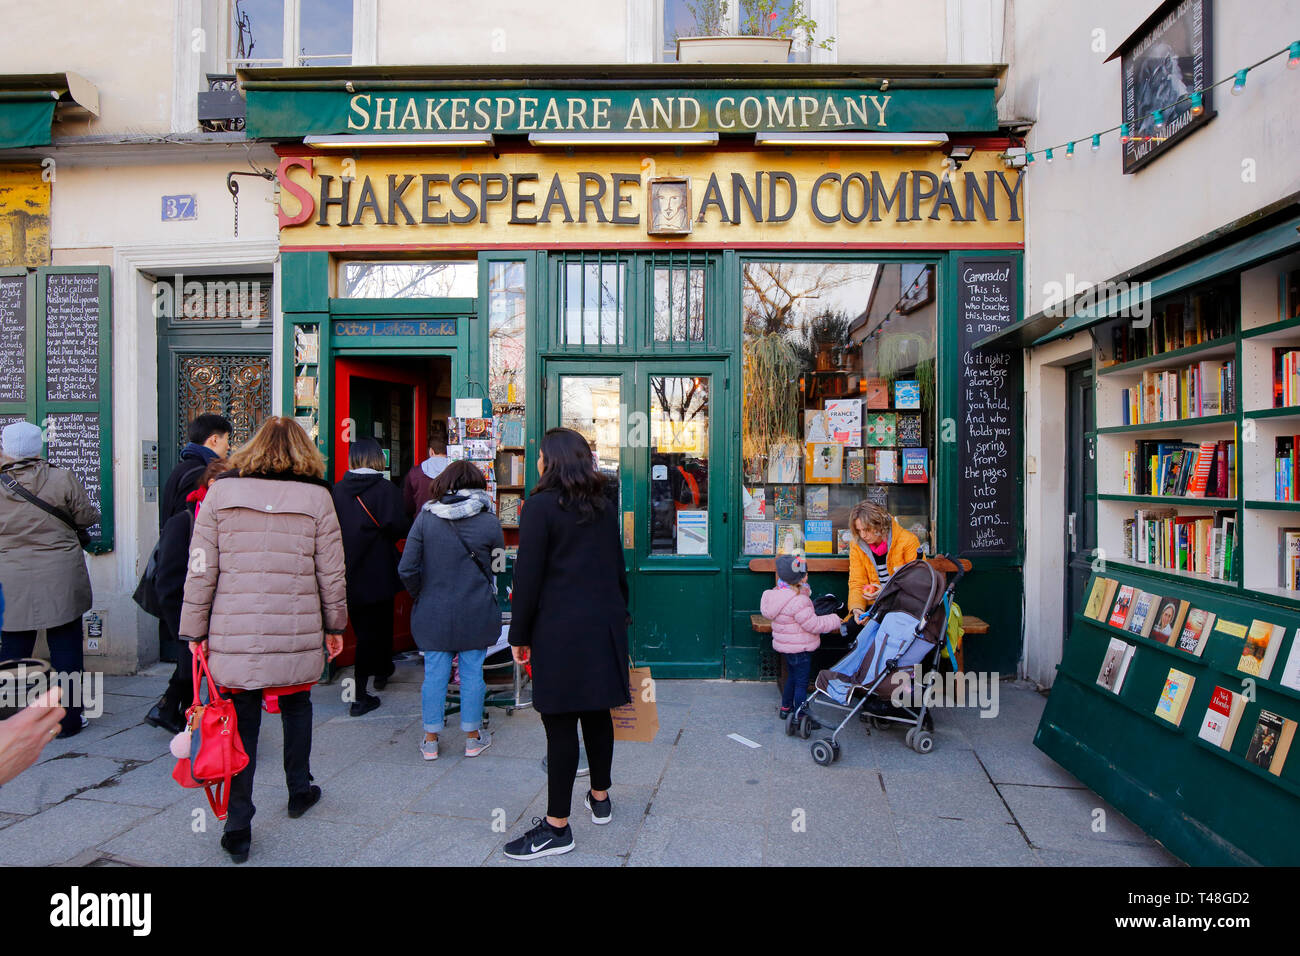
(1270, 742)
(1174, 696)
(1222, 717)
(1114, 665)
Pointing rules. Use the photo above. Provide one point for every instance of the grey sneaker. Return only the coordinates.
(602, 811)
(476, 745)
(429, 749)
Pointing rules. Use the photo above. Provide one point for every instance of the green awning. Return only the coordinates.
(25, 120)
(28, 101)
(1041, 328)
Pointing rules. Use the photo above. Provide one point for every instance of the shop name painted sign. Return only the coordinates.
(400, 327)
(613, 198)
(295, 113)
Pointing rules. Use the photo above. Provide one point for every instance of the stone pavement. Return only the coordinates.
(983, 796)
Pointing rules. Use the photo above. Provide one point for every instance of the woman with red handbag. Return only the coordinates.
(266, 581)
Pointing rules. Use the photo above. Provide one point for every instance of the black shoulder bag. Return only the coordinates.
(11, 485)
(492, 583)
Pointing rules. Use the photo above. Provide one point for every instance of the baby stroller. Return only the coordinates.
(906, 626)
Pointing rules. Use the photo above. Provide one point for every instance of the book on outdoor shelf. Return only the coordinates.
(1290, 676)
(1286, 377)
(1260, 650)
(1203, 544)
(508, 506)
(909, 430)
(1204, 388)
(1167, 621)
(1288, 558)
(1123, 601)
(1093, 608)
(1141, 616)
(1286, 476)
(1270, 742)
(1196, 631)
(907, 394)
(1222, 717)
(1114, 664)
(1173, 326)
(1181, 469)
(1174, 696)
(916, 466)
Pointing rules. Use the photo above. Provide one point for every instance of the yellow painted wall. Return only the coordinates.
(24, 217)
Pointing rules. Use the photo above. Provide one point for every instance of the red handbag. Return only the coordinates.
(216, 752)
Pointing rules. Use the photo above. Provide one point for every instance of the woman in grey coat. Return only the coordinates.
(447, 567)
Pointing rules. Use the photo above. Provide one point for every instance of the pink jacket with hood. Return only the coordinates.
(795, 623)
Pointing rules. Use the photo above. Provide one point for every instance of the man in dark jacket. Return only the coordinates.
(418, 482)
(209, 439)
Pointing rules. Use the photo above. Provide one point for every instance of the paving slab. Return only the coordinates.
(939, 842)
(62, 832)
(54, 781)
(418, 839)
(475, 789)
(1058, 818)
(669, 840)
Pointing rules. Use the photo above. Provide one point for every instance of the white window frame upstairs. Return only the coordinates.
(364, 32)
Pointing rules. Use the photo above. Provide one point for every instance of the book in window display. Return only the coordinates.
(760, 537)
(825, 463)
(817, 537)
(817, 426)
(784, 463)
(789, 537)
(916, 466)
(886, 466)
(907, 394)
(785, 502)
(1271, 742)
(855, 467)
(882, 430)
(877, 495)
(845, 418)
(755, 500)
(877, 393)
(909, 431)
(817, 503)
(843, 541)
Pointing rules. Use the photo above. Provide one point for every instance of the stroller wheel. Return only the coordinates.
(805, 726)
(822, 752)
(922, 741)
(835, 750)
(792, 723)
(909, 736)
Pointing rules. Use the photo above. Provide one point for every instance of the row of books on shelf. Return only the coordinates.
(832, 463)
(1205, 388)
(1285, 478)
(1286, 377)
(1270, 741)
(1206, 317)
(1201, 544)
(1288, 558)
(1181, 469)
(789, 537)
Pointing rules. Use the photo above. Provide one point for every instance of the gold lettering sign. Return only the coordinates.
(730, 198)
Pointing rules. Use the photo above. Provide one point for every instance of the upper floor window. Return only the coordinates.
(688, 18)
(269, 33)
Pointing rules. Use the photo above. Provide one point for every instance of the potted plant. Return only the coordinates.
(766, 32)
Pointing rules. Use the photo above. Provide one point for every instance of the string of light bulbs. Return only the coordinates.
(1196, 98)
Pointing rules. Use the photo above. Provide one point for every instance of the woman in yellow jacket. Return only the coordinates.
(880, 547)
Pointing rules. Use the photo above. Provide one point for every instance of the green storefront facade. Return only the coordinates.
(437, 273)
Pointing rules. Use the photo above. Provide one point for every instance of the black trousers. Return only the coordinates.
(372, 623)
(562, 755)
(180, 685)
(66, 657)
(295, 714)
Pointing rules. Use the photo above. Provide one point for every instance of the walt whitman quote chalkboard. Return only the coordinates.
(13, 338)
(72, 337)
(989, 411)
(73, 443)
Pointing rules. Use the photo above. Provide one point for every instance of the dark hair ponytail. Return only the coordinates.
(571, 473)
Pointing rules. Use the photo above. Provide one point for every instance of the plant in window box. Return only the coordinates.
(770, 408)
(767, 32)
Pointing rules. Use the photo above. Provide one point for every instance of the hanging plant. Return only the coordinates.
(899, 351)
(925, 376)
(770, 407)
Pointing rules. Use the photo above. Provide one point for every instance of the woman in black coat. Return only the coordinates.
(569, 615)
(372, 519)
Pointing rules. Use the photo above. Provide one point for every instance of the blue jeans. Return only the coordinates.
(797, 667)
(433, 695)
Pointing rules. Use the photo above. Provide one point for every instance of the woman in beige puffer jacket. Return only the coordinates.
(266, 585)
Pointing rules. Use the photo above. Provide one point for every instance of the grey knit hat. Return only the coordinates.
(21, 440)
(791, 568)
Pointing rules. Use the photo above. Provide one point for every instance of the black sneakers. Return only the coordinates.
(300, 803)
(542, 840)
(237, 843)
(365, 705)
(602, 811)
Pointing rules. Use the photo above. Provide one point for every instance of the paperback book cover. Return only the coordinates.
(784, 463)
(886, 466)
(1270, 742)
(843, 541)
(755, 499)
(1140, 616)
(789, 537)
(1168, 619)
(1222, 717)
(479, 449)
(1093, 608)
(1174, 696)
(817, 502)
(785, 501)
(909, 430)
(845, 416)
(916, 466)
(824, 463)
(817, 426)
(1260, 650)
(907, 394)
(882, 430)
(1123, 601)
(1196, 631)
(878, 496)
(1115, 665)
(877, 392)
(508, 510)
(817, 537)
(855, 467)
(760, 537)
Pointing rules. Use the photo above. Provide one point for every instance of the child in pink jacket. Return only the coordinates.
(795, 626)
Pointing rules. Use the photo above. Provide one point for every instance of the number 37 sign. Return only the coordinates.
(178, 208)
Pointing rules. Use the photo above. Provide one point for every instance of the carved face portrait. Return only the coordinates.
(669, 207)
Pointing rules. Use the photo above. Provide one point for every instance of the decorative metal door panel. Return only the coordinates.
(237, 386)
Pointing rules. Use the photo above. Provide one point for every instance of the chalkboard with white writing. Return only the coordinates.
(989, 405)
(73, 443)
(13, 338)
(72, 337)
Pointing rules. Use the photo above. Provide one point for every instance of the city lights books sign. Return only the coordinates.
(1161, 64)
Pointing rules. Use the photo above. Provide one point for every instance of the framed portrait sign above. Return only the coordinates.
(670, 206)
(1165, 61)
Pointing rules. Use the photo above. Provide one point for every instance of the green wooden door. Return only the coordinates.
(656, 426)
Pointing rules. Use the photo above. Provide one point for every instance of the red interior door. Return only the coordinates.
(345, 370)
